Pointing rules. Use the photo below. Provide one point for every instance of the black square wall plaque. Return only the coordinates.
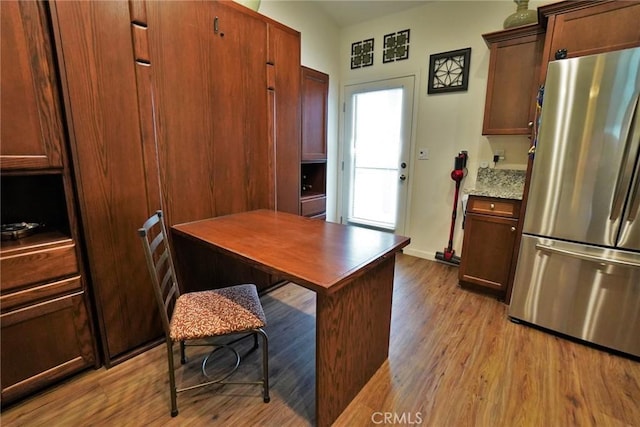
(396, 46)
(362, 54)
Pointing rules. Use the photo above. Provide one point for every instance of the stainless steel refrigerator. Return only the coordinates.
(578, 271)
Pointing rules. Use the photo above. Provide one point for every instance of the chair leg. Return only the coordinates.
(265, 366)
(255, 341)
(172, 379)
(183, 355)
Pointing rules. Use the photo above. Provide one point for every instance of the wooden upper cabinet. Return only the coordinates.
(31, 135)
(512, 85)
(314, 92)
(578, 28)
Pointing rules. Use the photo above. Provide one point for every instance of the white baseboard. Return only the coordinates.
(419, 254)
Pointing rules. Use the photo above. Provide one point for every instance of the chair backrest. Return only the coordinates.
(158, 254)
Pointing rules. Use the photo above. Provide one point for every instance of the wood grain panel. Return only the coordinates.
(284, 51)
(199, 268)
(603, 27)
(315, 90)
(37, 266)
(52, 356)
(494, 206)
(211, 109)
(321, 256)
(39, 293)
(147, 111)
(31, 134)
(138, 11)
(313, 205)
(514, 68)
(487, 251)
(96, 52)
(140, 43)
(356, 318)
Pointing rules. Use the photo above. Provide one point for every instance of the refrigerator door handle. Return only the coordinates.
(627, 171)
(634, 201)
(586, 257)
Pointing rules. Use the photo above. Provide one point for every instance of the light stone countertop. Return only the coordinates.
(500, 183)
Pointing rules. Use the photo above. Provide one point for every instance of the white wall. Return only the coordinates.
(320, 39)
(446, 123)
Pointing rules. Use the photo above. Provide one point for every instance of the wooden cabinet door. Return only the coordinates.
(315, 92)
(31, 135)
(97, 59)
(585, 28)
(284, 54)
(209, 66)
(43, 343)
(487, 250)
(512, 85)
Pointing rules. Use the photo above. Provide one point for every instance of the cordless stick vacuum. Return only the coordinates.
(448, 256)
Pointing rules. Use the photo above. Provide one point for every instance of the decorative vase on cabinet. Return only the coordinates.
(522, 16)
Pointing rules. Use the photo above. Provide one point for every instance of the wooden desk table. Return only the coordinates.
(350, 268)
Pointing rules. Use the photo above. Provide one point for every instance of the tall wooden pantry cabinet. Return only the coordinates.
(46, 332)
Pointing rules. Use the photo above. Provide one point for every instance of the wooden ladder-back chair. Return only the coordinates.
(201, 315)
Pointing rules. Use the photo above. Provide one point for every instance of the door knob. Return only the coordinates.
(402, 177)
(403, 165)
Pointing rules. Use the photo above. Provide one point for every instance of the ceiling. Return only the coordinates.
(349, 12)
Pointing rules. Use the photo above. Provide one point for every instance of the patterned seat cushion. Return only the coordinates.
(216, 312)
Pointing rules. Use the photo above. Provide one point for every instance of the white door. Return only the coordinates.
(378, 123)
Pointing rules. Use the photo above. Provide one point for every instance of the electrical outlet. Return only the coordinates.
(500, 154)
(423, 154)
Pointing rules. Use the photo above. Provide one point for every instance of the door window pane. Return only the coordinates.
(377, 139)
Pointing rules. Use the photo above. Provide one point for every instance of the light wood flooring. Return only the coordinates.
(455, 360)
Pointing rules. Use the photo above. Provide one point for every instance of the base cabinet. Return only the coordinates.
(42, 343)
(489, 238)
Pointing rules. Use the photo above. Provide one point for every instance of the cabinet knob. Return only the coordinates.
(530, 124)
(492, 206)
(561, 54)
(513, 229)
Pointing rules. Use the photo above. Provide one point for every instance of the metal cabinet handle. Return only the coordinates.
(513, 229)
(493, 206)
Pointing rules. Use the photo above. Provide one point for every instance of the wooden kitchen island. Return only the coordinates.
(351, 270)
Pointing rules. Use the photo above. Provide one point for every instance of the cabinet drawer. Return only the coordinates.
(36, 266)
(39, 293)
(491, 206)
(314, 206)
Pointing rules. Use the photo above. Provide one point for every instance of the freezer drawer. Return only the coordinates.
(583, 291)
